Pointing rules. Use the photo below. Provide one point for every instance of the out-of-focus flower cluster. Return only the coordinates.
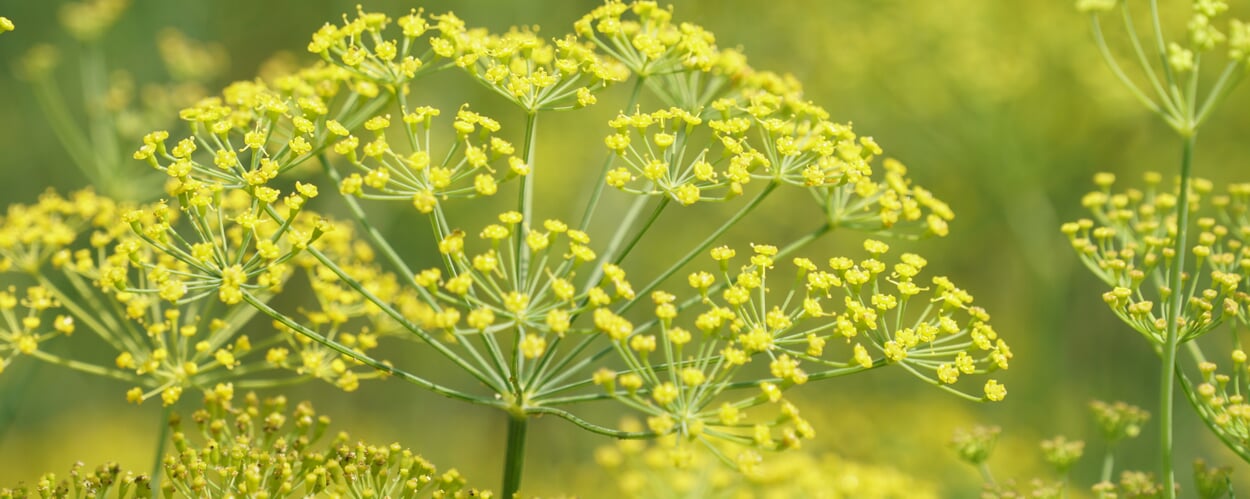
(1116, 422)
(263, 448)
(663, 469)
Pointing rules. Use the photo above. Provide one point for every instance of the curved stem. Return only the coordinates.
(591, 427)
(1168, 74)
(1192, 396)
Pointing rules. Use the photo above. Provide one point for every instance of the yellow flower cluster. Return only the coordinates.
(231, 247)
(27, 320)
(764, 131)
(535, 74)
(32, 235)
(257, 448)
(104, 479)
(1202, 33)
(669, 469)
(262, 448)
(680, 62)
(680, 378)
(147, 306)
(6, 24)
(1128, 243)
(477, 163)
(504, 299)
(484, 294)
(89, 19)
(361, 48)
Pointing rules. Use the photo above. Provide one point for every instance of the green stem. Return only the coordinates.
(526, 201)
(986, 475)
(161, 436)
(1176, 301)
(514, 458)
(1108, 465)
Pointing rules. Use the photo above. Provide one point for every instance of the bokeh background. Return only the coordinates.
(1003, 109)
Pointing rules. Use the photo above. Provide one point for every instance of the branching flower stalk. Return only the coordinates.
(535, 314)
(1175, 94)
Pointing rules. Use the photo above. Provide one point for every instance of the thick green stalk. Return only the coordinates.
(526, 201)
(514, 459)
(1167, 382)
(1108, 465)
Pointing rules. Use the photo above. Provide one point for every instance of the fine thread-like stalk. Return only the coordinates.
(1124, 79)
(613, 253)
(1175, 302)
(365, 359)
(514, 457)
(593, 203)
(563, 371)
(703, 246)
(379, 241)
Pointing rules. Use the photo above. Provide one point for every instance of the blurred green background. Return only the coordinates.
(1003, 109)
